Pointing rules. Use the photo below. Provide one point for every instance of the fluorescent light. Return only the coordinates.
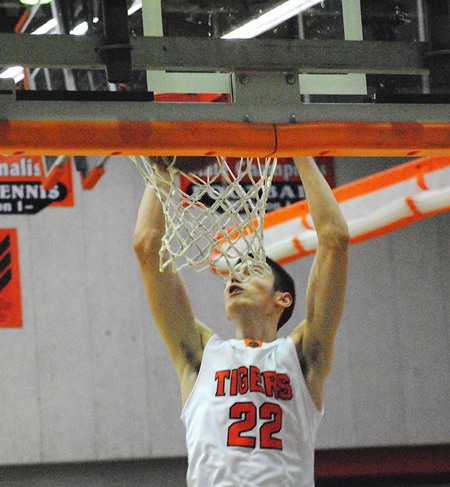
(80, 29)
(46, 28)
(15, 72)
(135, 7)
(34, 2)
(270, 19)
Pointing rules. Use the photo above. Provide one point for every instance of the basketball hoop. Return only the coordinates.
(216, 217)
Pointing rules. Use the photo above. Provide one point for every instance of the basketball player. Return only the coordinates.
(252, 404)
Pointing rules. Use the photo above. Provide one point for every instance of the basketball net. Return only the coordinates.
(218, 218)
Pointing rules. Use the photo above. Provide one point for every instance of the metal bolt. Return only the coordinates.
(290, 79)
(293, 119)
(246, 118)
(244, 79)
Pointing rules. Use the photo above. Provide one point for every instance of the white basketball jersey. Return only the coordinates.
(250, 420)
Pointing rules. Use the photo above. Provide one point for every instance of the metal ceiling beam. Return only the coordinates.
(212, 54)
(226, 112)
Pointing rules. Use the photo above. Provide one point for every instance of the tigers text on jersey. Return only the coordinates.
(250, 420)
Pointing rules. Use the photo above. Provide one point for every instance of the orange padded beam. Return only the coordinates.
(136, 138)
(232, 139)
(364, 139)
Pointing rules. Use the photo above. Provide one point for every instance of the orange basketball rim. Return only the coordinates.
(230, 139)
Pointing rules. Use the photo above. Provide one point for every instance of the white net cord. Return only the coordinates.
(215, 216)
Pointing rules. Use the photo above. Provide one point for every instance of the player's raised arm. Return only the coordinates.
(184, 336)
(327, 282)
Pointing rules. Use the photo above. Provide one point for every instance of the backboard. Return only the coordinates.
(281, 20)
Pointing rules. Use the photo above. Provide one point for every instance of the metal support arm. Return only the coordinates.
(199, 54)
(115, 51)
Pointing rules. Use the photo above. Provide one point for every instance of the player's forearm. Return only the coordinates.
(150, 225)
(325, 212)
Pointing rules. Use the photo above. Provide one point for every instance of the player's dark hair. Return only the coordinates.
(284, 283)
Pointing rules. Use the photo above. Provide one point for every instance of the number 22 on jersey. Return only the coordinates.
(243, 431)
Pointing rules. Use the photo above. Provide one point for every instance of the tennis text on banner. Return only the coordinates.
(21, 189)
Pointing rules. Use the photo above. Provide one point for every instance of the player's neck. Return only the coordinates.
(264, 330)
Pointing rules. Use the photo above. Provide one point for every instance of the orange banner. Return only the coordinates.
(10, 296)
(23, 190)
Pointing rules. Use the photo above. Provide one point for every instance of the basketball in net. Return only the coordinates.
(214, 210)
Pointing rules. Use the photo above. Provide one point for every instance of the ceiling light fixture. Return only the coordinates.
(135, 7)
(45, 28)
(80, 29)
(15, 72)
(32, 3)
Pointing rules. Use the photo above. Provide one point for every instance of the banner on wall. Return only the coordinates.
(21, 189)
(286, 187)
(10, 296)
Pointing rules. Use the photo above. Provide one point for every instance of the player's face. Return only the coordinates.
(243, 291)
